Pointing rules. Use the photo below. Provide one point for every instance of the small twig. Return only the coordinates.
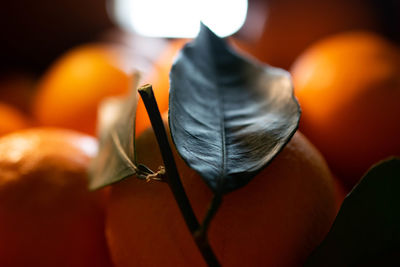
(172, 175)
(201, 233)
(157, 176)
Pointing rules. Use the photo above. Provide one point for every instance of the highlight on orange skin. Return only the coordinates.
(69, 93)
(48, 216)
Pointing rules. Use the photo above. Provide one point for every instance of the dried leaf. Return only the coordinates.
(116, 158)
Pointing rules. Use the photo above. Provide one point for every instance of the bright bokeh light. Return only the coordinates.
(179, 18)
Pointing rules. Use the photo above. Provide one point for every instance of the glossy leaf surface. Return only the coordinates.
(229, 116)
(366, 231)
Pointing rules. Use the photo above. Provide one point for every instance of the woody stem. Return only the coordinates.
(172, 176)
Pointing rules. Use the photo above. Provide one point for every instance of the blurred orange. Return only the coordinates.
(348, 86)
(290, 26)
(16, 89)
(11, 119)
(159, 79)
(48, 216)
(70, 91)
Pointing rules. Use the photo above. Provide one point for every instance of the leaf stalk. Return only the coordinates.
(173, 180)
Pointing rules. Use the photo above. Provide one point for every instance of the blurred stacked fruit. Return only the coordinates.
(277, 31)
(57, 66)
(345, 61)
(48, 217)
(15, 97)
(349, 88)
(75, 68)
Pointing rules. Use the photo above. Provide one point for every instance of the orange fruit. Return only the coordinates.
(70, 91)
(12, 119)
(48, 216)
(288, 27)
(16, 89)
(275, 220)
(159, 79)
(348, 86)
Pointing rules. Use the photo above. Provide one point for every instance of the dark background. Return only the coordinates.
(34, 33)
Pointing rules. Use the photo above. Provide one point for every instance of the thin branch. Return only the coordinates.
(216, 201)
(172, 175)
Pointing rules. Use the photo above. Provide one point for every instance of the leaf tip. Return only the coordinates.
(93, 184)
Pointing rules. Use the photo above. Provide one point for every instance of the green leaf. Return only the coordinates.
(229, 116)
(116, 158)
(366, 231)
